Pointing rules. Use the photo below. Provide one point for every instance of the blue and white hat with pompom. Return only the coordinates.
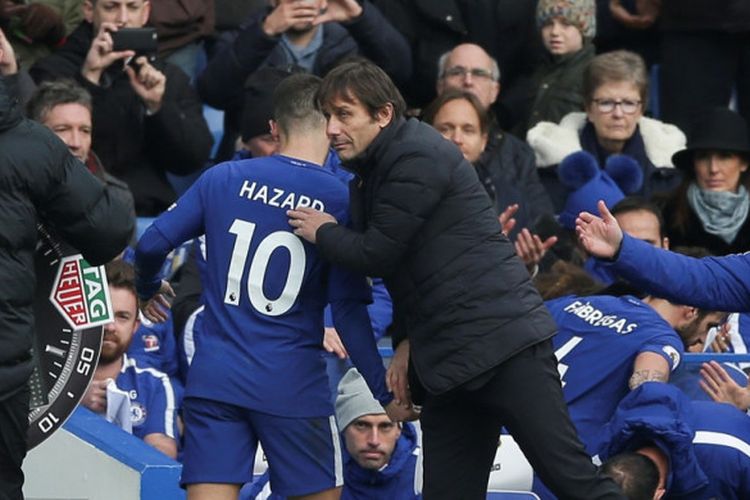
(588, 183)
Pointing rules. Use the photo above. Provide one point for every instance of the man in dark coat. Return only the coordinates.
(506, 29)
(477, 329)
(298, 34)
(41, 182)
(147, 121)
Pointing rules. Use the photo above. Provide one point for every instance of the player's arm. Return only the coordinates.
(649, 367)
(353, 326)
(713, 283)
(163, 443)
(182, 222)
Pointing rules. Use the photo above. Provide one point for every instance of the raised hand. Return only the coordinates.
(289, 13)
(148, 82)
(340, 11)
(601, 237)
(531, 248)
(507, 222)
(100, 55)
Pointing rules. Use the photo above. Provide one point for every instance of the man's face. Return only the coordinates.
(615, 125)
(696, 330)
(643, 225)
(351, 128)
(458, 122)
(371, 439)
(72, 123)
(119, 333)
(123, 13)
(469, 68)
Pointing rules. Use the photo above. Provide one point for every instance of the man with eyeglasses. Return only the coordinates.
(615, 92)
(506, 159)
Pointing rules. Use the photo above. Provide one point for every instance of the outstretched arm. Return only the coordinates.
(714, 283)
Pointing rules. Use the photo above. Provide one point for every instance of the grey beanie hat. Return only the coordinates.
(354, 399)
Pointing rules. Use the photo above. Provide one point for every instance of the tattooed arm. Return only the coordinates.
(648, 367)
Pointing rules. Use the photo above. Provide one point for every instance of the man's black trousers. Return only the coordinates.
(461, 430)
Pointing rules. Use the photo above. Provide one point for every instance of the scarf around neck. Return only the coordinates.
(722, 213)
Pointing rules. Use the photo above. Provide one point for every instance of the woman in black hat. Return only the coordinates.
(710, 208)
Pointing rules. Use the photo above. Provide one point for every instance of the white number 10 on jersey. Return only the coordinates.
(243, 231)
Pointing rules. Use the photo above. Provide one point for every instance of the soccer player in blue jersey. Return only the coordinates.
(607, 346)
(259, 374)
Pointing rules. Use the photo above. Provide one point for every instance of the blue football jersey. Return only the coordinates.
(597, 342)
(264, 288)
(722, 447)
(153, 400)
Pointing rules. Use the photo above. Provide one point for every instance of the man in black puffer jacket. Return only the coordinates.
(477, 329)
(40, 181)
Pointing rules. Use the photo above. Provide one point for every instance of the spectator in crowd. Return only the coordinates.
(462, 119)
(567, 28)
(705, 49)
(36, 27)
(697, 448)
(292, 33)
(256, 139)
(629, 25)
(711, 282)
(504, 28)
(43, 182)
(507, 160)
(615, 90)
(148, 119)
(710, 208)
(286, 404)
(469, 67)
(181, 26)
(64, 107)
(383, 458)
(150, 395)
(481, 352)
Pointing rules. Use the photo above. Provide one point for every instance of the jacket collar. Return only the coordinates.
(364, 164)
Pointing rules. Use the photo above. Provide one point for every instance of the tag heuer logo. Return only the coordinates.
(81, 294)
